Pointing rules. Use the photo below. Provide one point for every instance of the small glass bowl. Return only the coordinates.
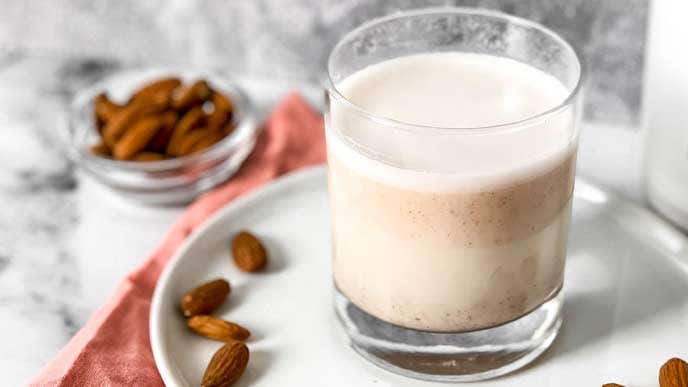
(164, 182)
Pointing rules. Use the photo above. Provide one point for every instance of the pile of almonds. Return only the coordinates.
(163, 119)
(230, 361)
(674, 373)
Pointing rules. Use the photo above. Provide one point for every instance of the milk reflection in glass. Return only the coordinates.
(469, 232)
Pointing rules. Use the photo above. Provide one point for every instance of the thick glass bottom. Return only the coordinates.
(451, 357)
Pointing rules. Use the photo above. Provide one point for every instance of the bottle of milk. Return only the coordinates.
(666, 114)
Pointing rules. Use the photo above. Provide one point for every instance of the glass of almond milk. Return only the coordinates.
(451, 145)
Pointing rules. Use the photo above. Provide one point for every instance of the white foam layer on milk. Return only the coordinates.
(451, 90)
(426, 181)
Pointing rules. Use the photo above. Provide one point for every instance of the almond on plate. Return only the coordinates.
(217, 328)
(227, 365)
(248, 252)
(205, 298)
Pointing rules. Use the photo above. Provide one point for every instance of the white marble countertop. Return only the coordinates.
(66, 242)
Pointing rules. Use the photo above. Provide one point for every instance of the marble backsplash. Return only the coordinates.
(291, 38)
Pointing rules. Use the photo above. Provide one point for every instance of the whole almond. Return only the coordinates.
(612, 385)
(217, 119)
(207, 141)
(221, 102)
(674, 373)
(205, 298)
(120, 122)
(188, 141)
(137, 137)
(104, 108)
(159, 143)
(249, 254)
(187, 97)
(222, 111)
(217, 328)
(226, 366)
(162, 86)
(191, 120)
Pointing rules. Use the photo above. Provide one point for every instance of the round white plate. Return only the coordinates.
(626, 296)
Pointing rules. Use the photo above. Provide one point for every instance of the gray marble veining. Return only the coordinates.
(39, 285)
(291, 39)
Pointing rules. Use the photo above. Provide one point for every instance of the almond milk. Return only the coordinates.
(450, 230)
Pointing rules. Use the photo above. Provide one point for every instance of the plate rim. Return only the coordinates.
(170, 374)
(167, 368)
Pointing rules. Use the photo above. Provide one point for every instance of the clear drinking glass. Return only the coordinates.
(445, 270)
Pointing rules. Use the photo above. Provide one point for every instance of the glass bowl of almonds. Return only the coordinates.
(161, 136)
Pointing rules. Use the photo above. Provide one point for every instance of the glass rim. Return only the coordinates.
(333, 91)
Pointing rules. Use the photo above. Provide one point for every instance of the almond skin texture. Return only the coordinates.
(148, 156)
(120, 122)
(211, 139)
(104, 108)
(191, 120)
(100, 149)
(190, 140)
(163, 86)
(222, 111)
(205, 298)
(217, 329)
(187, 97)
(136, 137)
(674, 373)
(221, 102)
(226, 366)
(249, 254)
(162, 137)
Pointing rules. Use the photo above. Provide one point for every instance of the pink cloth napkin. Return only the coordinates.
(113, 349)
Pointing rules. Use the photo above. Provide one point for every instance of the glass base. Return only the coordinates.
(451, 357)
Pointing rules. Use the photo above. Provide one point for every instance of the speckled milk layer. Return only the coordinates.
(449, 261)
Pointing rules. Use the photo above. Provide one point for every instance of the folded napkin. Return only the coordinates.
(113, 348)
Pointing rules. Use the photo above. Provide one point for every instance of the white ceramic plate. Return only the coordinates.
(626, 296)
